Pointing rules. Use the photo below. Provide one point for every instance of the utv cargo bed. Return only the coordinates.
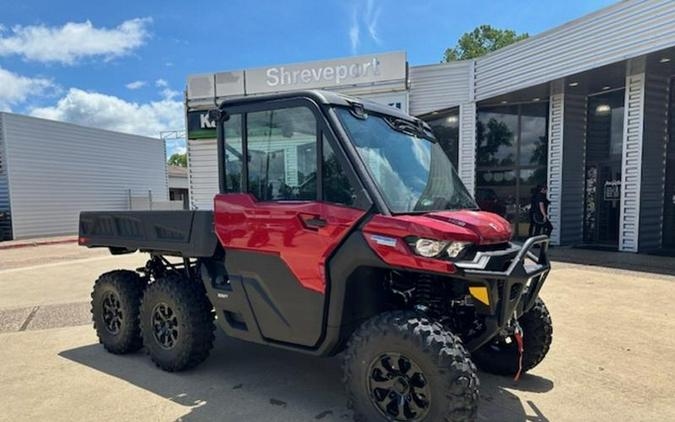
(182, 233)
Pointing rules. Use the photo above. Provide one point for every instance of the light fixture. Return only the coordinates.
(664, 60)
(452, 119)
(434, 113)
(429, 248)
(602, 109)
(456, 248)
(606, 87)
(536, 99)
(575, 83)
(504, 101)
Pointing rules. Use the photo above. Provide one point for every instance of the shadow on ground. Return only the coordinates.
(242, 381)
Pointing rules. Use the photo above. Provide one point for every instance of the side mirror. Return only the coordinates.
(217, 115)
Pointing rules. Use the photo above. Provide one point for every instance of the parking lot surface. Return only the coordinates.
(611, 359)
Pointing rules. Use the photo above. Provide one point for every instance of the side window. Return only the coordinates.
(233, 154)
(336, 186)
(282, 154)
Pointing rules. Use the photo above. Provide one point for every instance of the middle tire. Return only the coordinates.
(401, 366)
(176, 321)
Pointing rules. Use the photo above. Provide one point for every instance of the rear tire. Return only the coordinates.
(402, 366)
(115, 301)
(176, 323)
(501, 358)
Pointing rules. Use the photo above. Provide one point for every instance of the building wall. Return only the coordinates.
(573, 169)
(627, 29)
(202, 157)
(5, 226)
(654, 142)
(58, 169)
(439, 86)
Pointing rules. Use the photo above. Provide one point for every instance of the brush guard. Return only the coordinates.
(512, 292)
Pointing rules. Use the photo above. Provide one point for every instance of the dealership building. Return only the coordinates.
(50, 171)
(587, 108)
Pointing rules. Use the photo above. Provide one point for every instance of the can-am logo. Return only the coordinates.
(280, 76)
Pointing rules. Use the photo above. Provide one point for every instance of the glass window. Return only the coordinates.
(411, 170)
(336, 186)
(233, 155)
(496, 130)
(533, 135)
(605, 126)
(446, 129)
(496, 192)
(282, 154)
(512, 152)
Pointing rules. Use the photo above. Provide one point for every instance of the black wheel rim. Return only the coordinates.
(112, 313)
(165, 325)
(398, 388)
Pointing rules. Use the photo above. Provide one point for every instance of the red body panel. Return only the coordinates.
(280, 228)
(488, 227)
(468, 226)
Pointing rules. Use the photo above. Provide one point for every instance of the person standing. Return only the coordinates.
(540, 202)
(533, 205)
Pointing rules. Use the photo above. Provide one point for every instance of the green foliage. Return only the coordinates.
(481, 41)
(178, 160)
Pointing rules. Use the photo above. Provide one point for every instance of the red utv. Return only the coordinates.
(340, 226)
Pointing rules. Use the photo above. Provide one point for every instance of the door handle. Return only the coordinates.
(313, 221)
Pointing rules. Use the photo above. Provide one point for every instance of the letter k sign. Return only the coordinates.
(205, 122)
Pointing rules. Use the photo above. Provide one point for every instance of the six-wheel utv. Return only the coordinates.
(340, 226)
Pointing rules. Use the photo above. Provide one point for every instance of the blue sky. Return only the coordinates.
(123, 67)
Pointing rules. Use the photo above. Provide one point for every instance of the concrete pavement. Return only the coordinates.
(611, 357)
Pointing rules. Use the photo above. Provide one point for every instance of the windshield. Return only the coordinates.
(410, 169)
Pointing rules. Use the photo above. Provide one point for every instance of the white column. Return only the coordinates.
(555, 156)
(631, 157)
(467, 145)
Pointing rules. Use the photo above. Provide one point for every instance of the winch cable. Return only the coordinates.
(518, 334)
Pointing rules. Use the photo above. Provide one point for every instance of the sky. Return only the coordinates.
(123, 67)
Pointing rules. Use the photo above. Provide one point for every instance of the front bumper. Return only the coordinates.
(513, 278)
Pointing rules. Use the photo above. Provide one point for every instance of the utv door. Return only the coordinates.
(281, 213)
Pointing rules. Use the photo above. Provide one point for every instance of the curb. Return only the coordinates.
(28, 244)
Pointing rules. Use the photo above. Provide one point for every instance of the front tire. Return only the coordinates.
(402, 366)
(501, 357)
(176, 323)
(115, 301)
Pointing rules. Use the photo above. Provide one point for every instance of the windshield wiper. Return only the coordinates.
(409, 128)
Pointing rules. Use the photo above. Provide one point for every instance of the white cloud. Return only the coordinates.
(16, 89)
(169, 94)
(74, 40)
(372, 17)
(161, 83)
(113, 113)
(354, 32)
(135, 85)
(367, 18)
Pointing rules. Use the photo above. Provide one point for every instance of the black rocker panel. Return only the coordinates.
(284, 310)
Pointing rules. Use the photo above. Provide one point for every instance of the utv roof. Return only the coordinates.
(322, 97)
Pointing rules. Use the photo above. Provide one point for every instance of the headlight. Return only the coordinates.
(456, 248)
(429, 248)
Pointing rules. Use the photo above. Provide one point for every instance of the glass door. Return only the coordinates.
(604, 143)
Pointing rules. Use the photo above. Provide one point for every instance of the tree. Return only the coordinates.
(481, 41)
(178, 160)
